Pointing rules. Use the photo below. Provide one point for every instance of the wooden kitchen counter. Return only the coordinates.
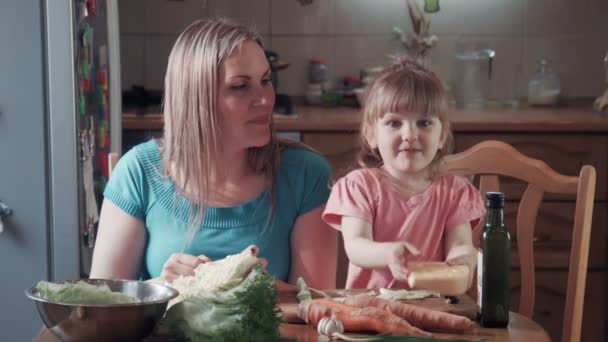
(577, 116)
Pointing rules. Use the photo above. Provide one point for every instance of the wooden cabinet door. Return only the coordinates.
(340, 149)
(550, 302)
(553, 234)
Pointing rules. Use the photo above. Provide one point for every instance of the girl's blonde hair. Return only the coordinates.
(191, 139)
(405, 86)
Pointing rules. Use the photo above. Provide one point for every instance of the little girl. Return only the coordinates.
(399, 208)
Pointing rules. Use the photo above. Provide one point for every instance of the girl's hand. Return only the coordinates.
(398, 256)
(180, 264)
(467, 257)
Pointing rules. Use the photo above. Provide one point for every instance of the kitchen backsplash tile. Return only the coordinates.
(290, 17)
(576, 59)
(253, 13)
(370, 17)
(354, 34)
(479, 17)
(599, 21)
(132, 17)
(298, 51)
(354, 53)
(558, 17)
(157, 55)
(132, 58)
(163, 16)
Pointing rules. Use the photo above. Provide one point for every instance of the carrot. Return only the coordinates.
(357, 319)
(420, 317)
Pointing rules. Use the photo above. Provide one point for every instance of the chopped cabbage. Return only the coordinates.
(82, 293)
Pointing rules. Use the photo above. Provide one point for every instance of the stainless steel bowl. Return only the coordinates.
(111, 322)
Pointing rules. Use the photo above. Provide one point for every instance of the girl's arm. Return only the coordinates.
(364, 252)
(314, 251)
(459, 248)
(119, 247)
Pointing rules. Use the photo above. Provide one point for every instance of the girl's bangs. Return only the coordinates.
(404, 94)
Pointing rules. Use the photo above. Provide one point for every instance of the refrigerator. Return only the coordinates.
(96, 63)
(60, 113)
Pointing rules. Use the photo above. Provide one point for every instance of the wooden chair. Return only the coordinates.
(491, 159)
(112, 160)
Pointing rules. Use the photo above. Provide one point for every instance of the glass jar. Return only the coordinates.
(317, 71)
(314, 93)
(544, 87)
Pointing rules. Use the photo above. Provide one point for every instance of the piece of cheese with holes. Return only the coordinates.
(438, 276)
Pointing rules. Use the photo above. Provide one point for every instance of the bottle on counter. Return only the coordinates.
(314, 92)
(493, 268)
(544, 87)
(317, 71)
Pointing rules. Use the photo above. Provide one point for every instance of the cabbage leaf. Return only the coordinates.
(82, 293)
(246, 312)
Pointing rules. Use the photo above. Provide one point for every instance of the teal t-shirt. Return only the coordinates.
(138, 187)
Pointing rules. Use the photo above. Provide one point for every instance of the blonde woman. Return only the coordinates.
(219, 180)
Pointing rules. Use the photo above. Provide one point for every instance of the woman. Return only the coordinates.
(218, 180)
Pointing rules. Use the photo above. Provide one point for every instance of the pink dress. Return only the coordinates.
(422, 219)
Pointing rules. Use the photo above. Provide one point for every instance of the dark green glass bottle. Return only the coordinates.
(495, 246)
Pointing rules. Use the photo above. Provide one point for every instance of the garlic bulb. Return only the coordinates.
(329, 325)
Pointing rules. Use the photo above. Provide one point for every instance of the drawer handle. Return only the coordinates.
(543, 313)
(537, 239)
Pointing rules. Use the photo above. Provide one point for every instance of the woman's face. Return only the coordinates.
(245, 97)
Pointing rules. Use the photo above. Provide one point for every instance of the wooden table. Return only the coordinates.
(520, 329)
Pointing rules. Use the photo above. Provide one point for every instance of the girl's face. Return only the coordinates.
(407, 142)
(245, 97)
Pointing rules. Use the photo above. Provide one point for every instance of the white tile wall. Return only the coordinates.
(479, 17)
(298, 51)
(370, 17)
(290, 17)
(354, 53)
(557, 17)
(157, 55)
(172, 16)
(252, 13)
(132, 17)
(132, 59)
(353, 34)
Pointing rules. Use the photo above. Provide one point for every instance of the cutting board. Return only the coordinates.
(465, 306)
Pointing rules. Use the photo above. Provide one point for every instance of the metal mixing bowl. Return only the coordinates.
(108, 322)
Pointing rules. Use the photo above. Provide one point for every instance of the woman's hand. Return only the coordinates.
(180, 264)
(399, 254)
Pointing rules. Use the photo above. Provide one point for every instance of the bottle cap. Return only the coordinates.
(495, 200)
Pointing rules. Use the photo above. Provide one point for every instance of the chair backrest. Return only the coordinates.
(112, 160)
(491, 159)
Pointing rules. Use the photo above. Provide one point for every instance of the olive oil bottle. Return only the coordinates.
(495, 245)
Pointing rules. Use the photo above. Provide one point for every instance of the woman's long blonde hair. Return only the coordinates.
(191, 139)
(405, 86)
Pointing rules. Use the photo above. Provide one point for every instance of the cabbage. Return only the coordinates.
(245, 312)
(82, 293)
(221, 274)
